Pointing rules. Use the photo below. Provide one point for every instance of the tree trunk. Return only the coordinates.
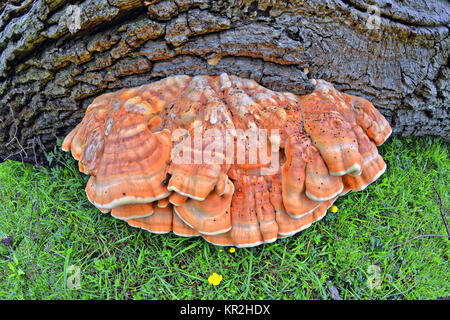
(51, 67)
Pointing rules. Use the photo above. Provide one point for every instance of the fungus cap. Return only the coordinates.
(210, 216)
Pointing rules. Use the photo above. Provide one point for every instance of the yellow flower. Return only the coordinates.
(215, 279)
(232, 250)
(334, 209)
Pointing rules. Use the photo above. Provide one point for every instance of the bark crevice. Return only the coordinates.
(48, 75)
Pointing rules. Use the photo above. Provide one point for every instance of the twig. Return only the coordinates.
(15, 132)
(420, 237)
(40, 143)
(441, 209)
(14, 138)
(16, 153)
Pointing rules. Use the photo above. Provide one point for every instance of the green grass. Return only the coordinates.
(47, 226)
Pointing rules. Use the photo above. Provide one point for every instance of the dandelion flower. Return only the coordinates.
(215, 279)
(232, 250)
(334, 209)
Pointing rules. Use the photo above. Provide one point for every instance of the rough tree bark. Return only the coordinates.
(49, 74)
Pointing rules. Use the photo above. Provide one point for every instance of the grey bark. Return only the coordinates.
(50, 70)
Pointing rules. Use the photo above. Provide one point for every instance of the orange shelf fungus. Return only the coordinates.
(132, 211)
(224, 158)
(210, 216)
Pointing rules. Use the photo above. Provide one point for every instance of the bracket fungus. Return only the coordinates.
(225, 158)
